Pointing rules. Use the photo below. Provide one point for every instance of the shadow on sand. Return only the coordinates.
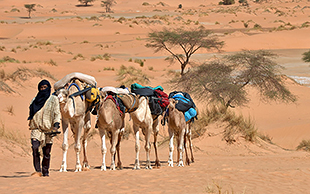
(18, 175)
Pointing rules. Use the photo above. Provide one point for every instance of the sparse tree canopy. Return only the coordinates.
(30, 8)
(85, 2)
(225, 80)
(306, 56)
(108, 4)
(185, 41)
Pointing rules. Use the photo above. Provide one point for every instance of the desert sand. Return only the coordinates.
(61, 37)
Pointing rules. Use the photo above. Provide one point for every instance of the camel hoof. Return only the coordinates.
(112, 167)
(103, 168)
(63, 168)
(170, 163)
(148, 167)
(181, 164)
(85, 169)
(119, 168)
(157, 164)
(78, 168)
(136, 168)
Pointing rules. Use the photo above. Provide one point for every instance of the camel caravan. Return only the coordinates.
(79, 97)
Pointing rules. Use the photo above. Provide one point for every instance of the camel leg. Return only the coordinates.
(137, 147)
(103, 148)
(156, 131)
(148, 147)
(114, 137)
(119, 163)
(87, 127)
(180, 148)
(187, 162)
(189, 137)
(171, 135)
(65, 145)
(77, 147)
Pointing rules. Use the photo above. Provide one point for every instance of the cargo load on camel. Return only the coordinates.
(185, 104)
(158, 100)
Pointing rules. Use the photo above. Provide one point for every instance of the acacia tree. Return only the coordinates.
(108, 4)
(187, 41)
(30, 8)
(85, 2)
(225, 80)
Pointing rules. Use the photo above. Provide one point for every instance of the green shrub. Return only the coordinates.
(140, 62)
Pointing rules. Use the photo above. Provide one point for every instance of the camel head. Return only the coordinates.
(62, 95)
(172, 104)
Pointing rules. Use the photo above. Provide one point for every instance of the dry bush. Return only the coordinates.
(265, 137)
(8, 59)
(78, 56)
(304, 145)
(130, 75)
(5, 88)
(105, 56)
(24, 74)
(43, 43)
(236, 124)
(10, 110)
(51, 62)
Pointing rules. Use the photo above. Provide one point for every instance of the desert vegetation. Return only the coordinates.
(108, 5)
(30, 8)
(189, 41)
(130, 75)
(86, 2)
(225, 80)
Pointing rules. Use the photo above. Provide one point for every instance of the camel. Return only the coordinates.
(110, 120)
(73, 111)
(176, 127)
(142, 118)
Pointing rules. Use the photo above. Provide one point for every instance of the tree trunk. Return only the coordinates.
(183, 65)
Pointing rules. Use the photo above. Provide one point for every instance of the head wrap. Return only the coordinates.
(40, 99)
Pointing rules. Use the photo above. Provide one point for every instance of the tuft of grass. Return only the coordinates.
(304, 145)
(2, 48)
(108, 69)
(5, 88)
(8, 59)
(78, 56)
(235, 124)
(51, 62)
(23, 74)
(43, 43)
(10, 110)
(140, 62)
(85, 42)
(105, 56)
(265, 137)
(130, 75)
(15, 10)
